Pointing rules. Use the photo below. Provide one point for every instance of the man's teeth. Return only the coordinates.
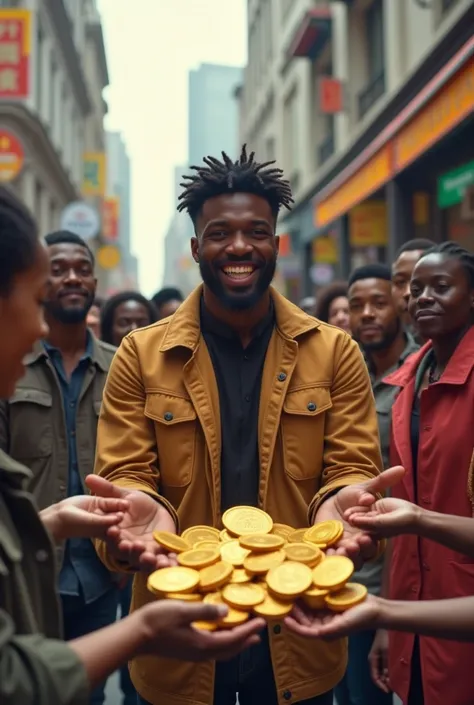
(238, 271)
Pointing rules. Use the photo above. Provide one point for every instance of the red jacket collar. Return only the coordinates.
(456, 372)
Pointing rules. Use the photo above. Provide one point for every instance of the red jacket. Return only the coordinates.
(421, 569)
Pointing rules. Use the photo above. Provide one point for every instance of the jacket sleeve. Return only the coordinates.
(39, 671)
(351, 443)
(126, 452)
(4, 430)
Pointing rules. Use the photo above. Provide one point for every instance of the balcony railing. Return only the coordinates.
(371, 93)
(326, 149)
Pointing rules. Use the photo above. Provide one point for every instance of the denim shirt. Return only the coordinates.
(82, 573)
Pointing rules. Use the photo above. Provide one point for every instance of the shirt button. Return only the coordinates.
(414, 589)
(41, 555)
(246, 357)
(311, 406)
(72, 404)
(168, 416)
(287, 695)
(277, 629)
(73, 433)
(247, 397)
(281, 378)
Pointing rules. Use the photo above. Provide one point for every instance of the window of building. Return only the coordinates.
(375, 57)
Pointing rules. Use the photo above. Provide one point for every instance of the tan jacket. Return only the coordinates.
(159, 431)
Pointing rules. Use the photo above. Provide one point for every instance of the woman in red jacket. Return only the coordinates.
(432, 433)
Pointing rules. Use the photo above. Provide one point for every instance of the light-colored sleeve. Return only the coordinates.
(351, 441)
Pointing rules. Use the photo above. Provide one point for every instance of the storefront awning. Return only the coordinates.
(312, 33)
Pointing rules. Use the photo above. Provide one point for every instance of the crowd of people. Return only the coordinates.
(128, 416)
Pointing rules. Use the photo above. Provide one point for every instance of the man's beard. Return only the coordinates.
(69, 316)
(387, 340)
(238, 302)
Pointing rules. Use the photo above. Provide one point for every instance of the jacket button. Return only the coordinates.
(41, 556)
(282, 376)
(168, 416)
(287, 695)
(311, 406)
(277, 629)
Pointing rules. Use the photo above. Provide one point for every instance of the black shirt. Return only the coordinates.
(238, 373)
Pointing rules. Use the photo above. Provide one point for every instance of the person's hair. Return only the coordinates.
(326, 296)
(108, 310)
(418, 243)
(62, 237)
(99, 302)
(376, 270)
(167, 294)
(454, 251)
(245, 175)
(18, 240)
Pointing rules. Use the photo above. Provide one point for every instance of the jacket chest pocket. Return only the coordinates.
(303, 428)
(174, 419)
(31, 424)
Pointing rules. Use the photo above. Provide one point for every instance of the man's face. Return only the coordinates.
(374, 318)
(402, 271)
(168, 308)
(236, 248)
(71, 285)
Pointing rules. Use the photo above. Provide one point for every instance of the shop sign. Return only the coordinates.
(454, 102)
(108, 257)
(111, 218)
(321, 274)
(453, 185)
(285, 245)
(80, 218)
(368, 225)
(374, 174)
(12, 156)
(15, 54)
(331, 95)
(325, 250)
(93, 180)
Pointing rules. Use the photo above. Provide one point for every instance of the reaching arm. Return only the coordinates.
(445, 619)
(451, 531)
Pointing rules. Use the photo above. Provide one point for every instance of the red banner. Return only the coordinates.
(111, 218)
(15, 51)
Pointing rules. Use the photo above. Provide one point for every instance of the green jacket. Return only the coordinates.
(36, 667)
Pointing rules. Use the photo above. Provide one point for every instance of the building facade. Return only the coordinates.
(213, 127)
(368, 106)
(51, 104)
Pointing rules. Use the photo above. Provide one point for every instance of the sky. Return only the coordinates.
(151, 46)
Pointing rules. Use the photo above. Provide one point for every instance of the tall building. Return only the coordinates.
(119, 187)
(213, 127)
(368, 106)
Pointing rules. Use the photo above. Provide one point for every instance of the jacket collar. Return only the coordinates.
(184, 327)
(98, 356)
(457, 370)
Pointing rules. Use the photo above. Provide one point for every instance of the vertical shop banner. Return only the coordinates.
(331, 95)
(93, 179)
(15, 54)
(368, 226)
(111, 218)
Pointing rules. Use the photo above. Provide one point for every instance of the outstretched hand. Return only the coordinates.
(385, 518)
(83, 516)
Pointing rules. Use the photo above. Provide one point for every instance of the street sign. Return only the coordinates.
(452, 186)
(80, 218)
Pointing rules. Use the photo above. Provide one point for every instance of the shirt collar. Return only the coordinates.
(210, 324)
(88, 353)
(411, 347)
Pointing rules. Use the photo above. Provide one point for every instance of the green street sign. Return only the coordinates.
(452, 186)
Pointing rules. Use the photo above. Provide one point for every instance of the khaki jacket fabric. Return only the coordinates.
(159, 432)
(36, 667)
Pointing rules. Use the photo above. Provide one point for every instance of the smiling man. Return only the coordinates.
(50, 425)
(240, 398)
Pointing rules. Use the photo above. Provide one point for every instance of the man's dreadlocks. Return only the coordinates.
(242, 176)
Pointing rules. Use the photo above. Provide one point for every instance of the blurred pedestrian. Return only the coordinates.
(402, 270)
(308, 305)
(123, 313)
(167, 301)
(93, 317)
(332, 305)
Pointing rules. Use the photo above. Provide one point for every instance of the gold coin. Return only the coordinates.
(303, 553)
(224, 536)
(314, 598)
(272, 607)
(233, 617)
(206, 544)
(243, 596)
(171, 542)
(350, 595)
(258, 563)
(243, 521)
(233, 553)
(289, 580)
(199, 557)
(205, 626)
(297, 536)
(333, 572)
(327, 532)
(240, 575)
(283, 530)
(195, 534)
(260, 543)
(175, 579)
(214, 576)
(185, 597)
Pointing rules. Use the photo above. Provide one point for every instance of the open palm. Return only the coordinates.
(331, 625)
(385, 518)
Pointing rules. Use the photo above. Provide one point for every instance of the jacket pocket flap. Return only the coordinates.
(168, 409)
(308, 402)
(32, 396)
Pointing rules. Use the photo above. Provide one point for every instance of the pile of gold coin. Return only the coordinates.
(255, 566)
